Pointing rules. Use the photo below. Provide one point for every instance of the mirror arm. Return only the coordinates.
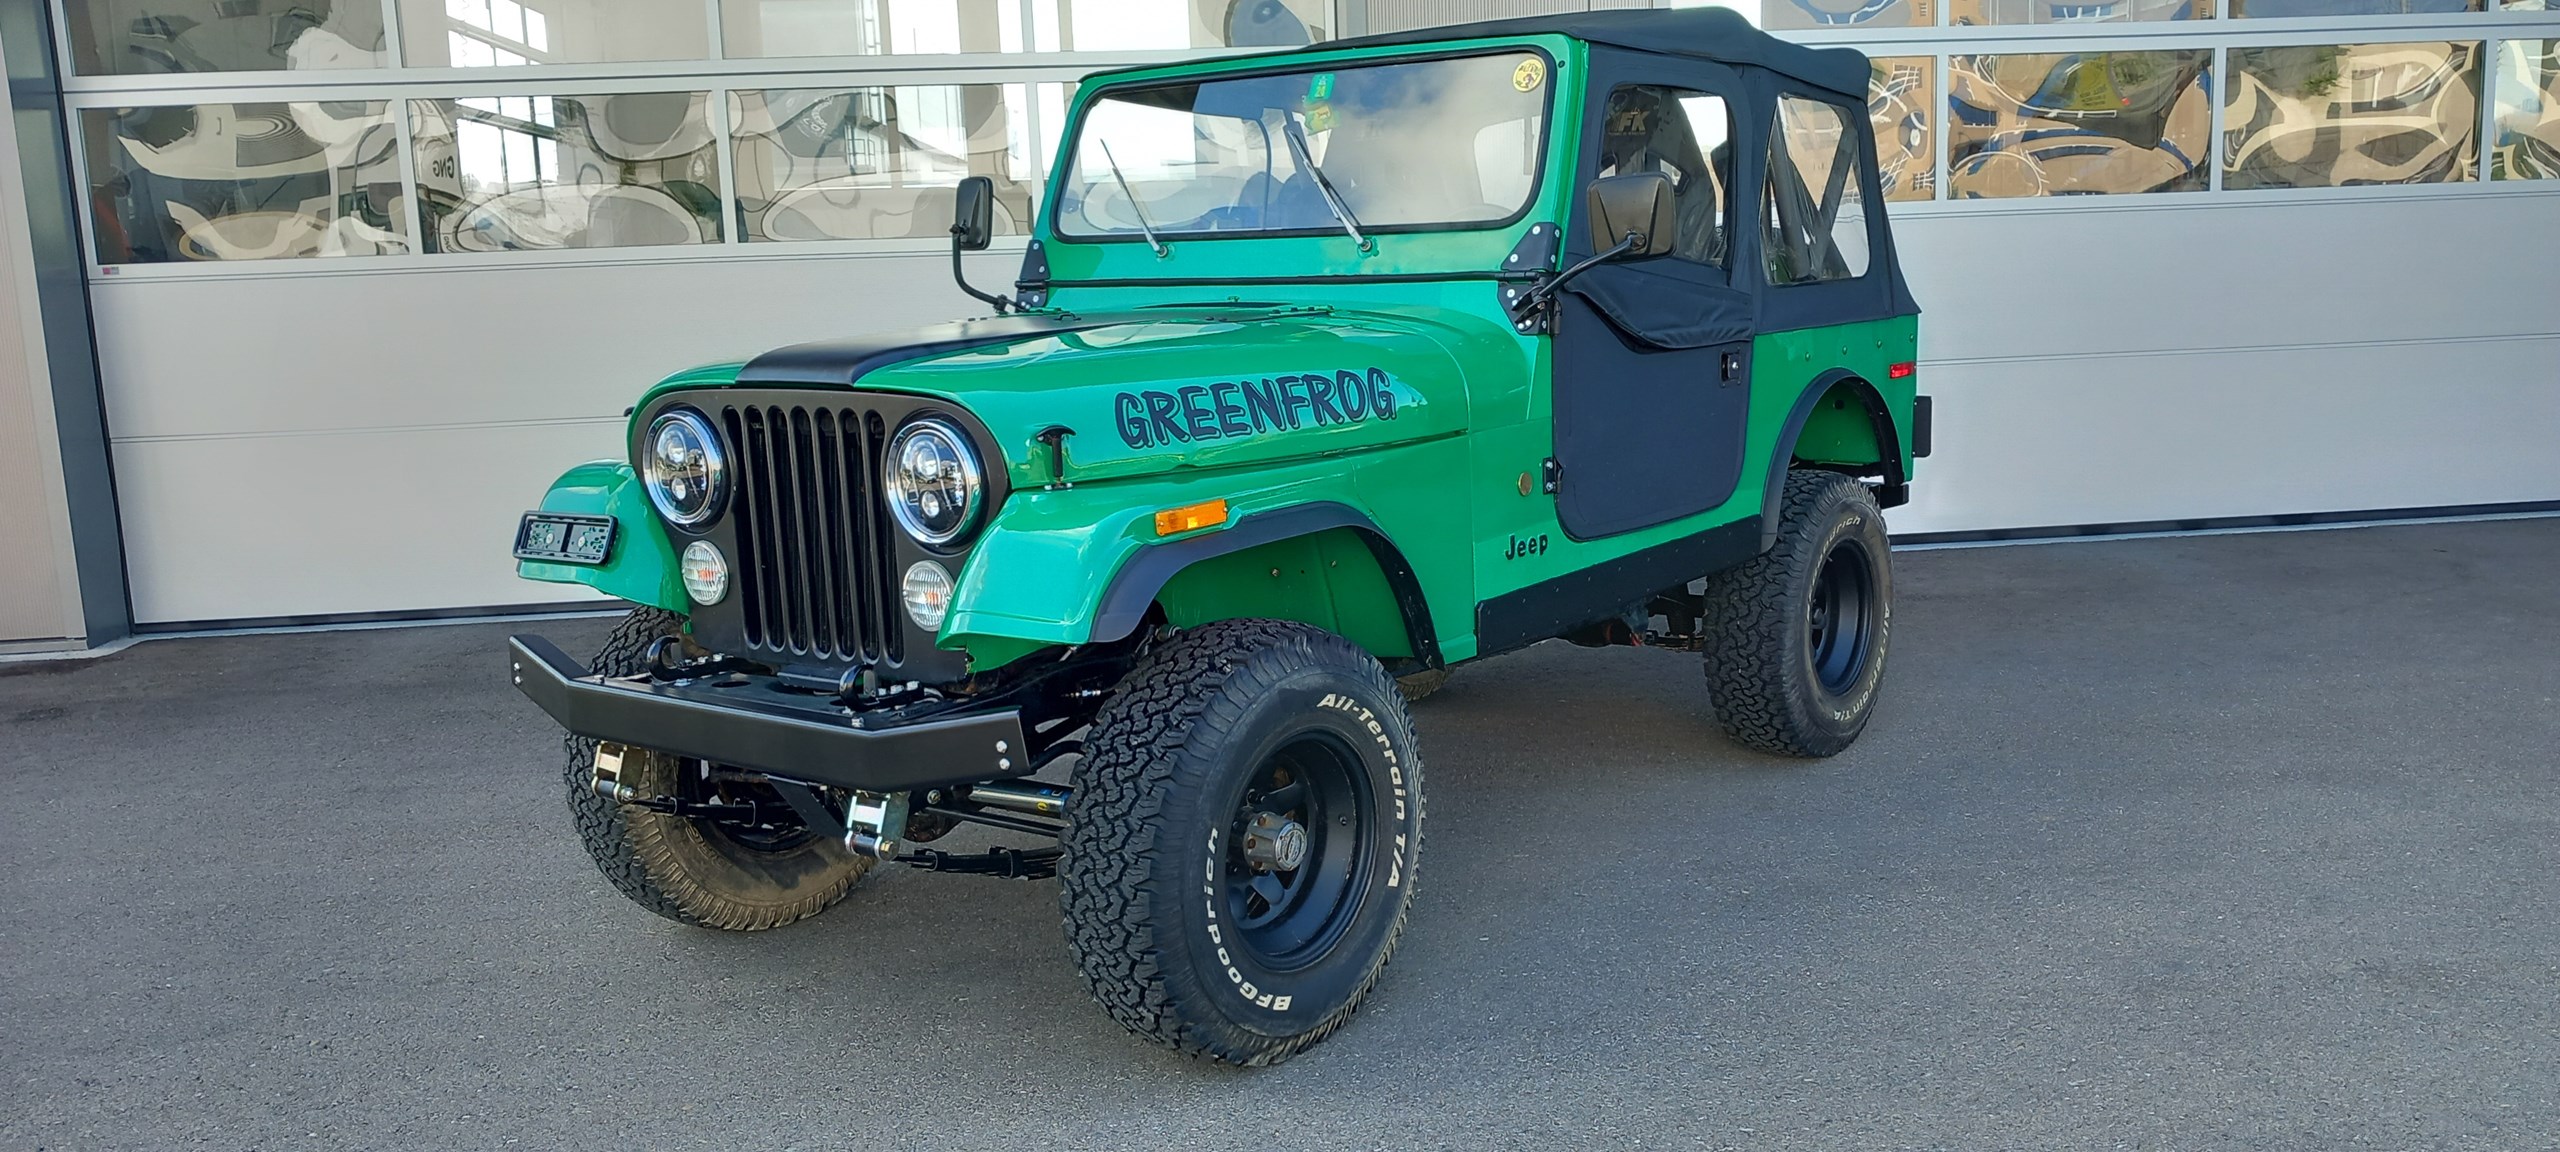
(1001, 304)
(1546, 289)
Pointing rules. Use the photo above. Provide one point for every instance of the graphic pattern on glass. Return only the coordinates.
(865, 163)
(1970, 12)
(1686, 136)
(1784, 15)
(1815, 214)
(754, 28)
(504, 173)
(151, 37)
(244, 181)
(2078, 123)
(1141, 25)
(1899, 105)
(513, 33)
(2331, 115)
(2525, 144)
(2243, 9)
(1418, 144)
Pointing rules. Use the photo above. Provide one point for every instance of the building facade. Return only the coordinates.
(361, 276)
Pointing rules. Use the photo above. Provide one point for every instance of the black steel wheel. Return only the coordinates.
(697, 872)
(1841, 616)
(1241, 841)
(1795, 640)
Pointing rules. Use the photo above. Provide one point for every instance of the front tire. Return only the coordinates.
(1795, 639)
(1241, 840)
(699, 873)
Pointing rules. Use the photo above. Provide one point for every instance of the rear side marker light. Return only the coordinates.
(1207, 514)
(1902, 371)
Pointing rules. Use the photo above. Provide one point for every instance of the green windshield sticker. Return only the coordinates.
(1319, 119)
(1320, 88)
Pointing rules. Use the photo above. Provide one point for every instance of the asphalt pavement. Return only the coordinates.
(2231, 841)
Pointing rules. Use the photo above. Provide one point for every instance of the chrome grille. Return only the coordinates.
(816, 565)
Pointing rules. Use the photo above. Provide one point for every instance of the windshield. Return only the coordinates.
(1419, 144)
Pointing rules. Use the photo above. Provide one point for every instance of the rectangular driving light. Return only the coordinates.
(1190, 517)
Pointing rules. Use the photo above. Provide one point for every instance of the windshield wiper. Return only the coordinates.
(1144, 228)
(1332, 198)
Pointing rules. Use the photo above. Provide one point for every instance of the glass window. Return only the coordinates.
(1966, 12)
(1138, 25)
(2525, 143)
(509, 33)
(1898, 107)
(1782, 15)
(862, 163)
(2078, 123)
(500, 173)
(2324, 116)
(751, 28)
(147, 37)
(244, 181)
(1686, 136)
(1816, 227)
(2247, 8)
(1412, 144)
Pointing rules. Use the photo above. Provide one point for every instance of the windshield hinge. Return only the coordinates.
(1532, 261)
(1031, 286)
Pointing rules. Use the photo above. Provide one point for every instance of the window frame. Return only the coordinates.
(1728, 208)
(1859, 132)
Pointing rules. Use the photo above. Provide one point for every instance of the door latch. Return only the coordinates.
(1732, 367)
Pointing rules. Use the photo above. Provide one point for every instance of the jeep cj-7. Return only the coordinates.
(1327, 371)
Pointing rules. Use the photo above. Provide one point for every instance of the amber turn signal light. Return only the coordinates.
(1206, 514)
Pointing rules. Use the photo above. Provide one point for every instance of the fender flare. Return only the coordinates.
(1133, 589)
(1783, 450)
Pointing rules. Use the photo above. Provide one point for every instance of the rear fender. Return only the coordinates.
(642, 566)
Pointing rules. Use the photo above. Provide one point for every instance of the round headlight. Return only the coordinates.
(683, 469)
(934, 483)
(927, 591)
(706, 572)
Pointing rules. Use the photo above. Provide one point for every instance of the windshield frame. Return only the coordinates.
(1064, 165)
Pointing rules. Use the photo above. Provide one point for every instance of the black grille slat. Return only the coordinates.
(875, 451)
(817, 564)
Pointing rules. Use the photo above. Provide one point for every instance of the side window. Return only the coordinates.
(1684, 135)
(1817, 212)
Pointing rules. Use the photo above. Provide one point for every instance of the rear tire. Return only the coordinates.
(1241, 841)
(1795, 640)
(697, 873)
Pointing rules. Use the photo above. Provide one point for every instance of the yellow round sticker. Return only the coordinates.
(1531, 73)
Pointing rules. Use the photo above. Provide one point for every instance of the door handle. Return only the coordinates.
(1732, 367)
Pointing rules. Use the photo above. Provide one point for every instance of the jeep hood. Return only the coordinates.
(1157, 389)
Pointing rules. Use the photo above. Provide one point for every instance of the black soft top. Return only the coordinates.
(1717, 34)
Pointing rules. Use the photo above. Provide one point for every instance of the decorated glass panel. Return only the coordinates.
(2524, 141)
(254, 181)
(864, 163)
(1900, 105)
(514, 33)
(2078, 123)
(2321, 116)
(155, 37)
(507, 173)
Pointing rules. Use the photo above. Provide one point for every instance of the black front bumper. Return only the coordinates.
(748, 722)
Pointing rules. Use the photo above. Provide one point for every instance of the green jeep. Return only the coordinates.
(1327, 371)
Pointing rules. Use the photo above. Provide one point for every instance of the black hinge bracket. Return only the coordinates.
(1550, 474)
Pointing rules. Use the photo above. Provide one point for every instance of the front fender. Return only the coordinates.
(1044, 572)
(642, 565)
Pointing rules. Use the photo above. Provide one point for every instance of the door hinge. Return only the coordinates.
(1550, 475)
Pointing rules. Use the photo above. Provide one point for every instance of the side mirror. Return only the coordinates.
(973, 214)
(1638, 202)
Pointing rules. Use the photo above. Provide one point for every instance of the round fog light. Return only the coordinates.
(706, 572)
(927, 591)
